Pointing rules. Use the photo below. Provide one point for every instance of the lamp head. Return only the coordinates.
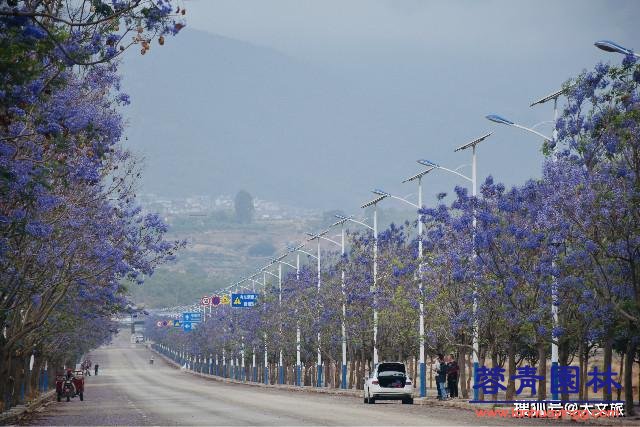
(498, 119)
(609, 46)
(429, 163)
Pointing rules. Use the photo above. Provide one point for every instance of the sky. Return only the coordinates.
(385, 82)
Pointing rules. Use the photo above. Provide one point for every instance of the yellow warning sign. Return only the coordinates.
(224, 299)
(237, 301)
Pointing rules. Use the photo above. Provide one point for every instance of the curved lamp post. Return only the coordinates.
(373, 203)
(501, 120)
(553, 140)
(343, 382)
(280, 262)
(279, 277)
(473, 181)
(418, 177)
(298, 361)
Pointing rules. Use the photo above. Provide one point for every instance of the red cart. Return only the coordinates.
(69, 385)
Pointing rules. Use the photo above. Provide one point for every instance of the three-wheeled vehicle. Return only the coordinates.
(70, 384)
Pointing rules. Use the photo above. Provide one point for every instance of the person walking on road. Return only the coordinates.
(452, 376)
(96, 369)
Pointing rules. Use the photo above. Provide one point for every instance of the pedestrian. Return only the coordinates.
(96, 369)
(452, 376)
(441, 378)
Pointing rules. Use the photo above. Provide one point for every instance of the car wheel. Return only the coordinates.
(407, 401)
(372, 401)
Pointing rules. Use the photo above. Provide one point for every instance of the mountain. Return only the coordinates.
(213, 115)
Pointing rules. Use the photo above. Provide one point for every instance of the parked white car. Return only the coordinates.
(389, 381)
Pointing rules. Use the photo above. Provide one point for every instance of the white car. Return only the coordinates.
(388, 381)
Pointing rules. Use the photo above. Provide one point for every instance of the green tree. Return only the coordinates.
(244, 207)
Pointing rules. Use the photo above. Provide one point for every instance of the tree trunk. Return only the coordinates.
(511, 385)
(482, 361)
(620, 375)
(352, 364)
(462, 363)
(563, 360)
(5, 369)
(582, 368)
(431, 372)
(628, 378)
(583, 374)
(542, 370)
(607, 362)
(638, 382)
(494, 364)
(469, 363)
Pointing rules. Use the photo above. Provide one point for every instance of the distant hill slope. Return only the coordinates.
(213, 114)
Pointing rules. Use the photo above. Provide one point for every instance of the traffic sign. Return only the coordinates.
(215, 300)
(243, 300)
(224, 299)
(193, 317)
(206, 300)
(177, 323)
(159, 324)
(188, 326)
(165, 323)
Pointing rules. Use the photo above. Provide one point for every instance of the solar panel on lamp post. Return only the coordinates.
(473, 182)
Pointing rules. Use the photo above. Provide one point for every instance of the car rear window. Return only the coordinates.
(396, 367)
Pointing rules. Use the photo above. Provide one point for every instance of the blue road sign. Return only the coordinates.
(188, 326)
(193, 317)
(243, 300)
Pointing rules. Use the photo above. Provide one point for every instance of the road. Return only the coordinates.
(129, 391)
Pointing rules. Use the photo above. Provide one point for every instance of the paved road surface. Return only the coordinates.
(129, 391)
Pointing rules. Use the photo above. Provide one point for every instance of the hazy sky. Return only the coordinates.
(439, 68)
(328, 29)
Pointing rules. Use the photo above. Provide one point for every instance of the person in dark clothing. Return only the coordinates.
(441, 378)
(452, 376)
(96, 369)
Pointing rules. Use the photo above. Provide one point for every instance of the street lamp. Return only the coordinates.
(418, 177)
(610, 46)
(373, 203)
(298, 249)
(280, 262)
(501, 120)
(343, 382)
(264, 276)
(473, 180)
(319, 367)
(554, 287)
(254, 368)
